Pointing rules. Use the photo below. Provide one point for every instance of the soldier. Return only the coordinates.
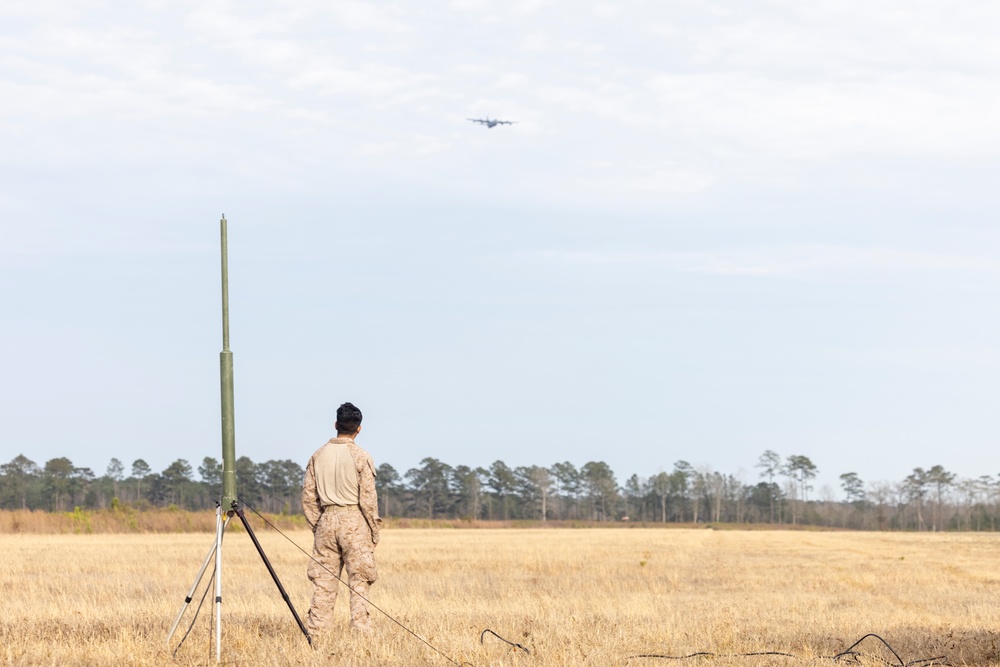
(338, 497)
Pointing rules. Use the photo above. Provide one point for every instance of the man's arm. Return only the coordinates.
(310, 499)
(367, 496)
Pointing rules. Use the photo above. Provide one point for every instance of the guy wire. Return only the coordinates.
(849, 652)
(337, 577)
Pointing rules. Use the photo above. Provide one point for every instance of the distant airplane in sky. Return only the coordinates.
(491, 123)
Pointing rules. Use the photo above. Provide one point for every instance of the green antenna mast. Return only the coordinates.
(229, 506)
(226, 378)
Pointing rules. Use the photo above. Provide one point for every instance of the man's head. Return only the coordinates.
(348, 419)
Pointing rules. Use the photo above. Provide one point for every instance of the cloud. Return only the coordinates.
(377, 149)
(780, 261)
(674, 181)
(837, 78)
(310, 64)
(369, 80)
(719, 95)
(664, 29)
(603, 99)
(368, 16)
(614, 180)
(471, 5)
(524, 8)
(511, 80)
(896, 115)
(410, 146)
(534, 42)
(604, 10)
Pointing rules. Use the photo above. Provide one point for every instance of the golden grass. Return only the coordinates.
(127, 519)
(573, 597)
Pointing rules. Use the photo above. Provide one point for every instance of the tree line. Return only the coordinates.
(58, 485)
(781, 493)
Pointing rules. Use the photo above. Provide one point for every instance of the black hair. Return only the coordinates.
(348, 418)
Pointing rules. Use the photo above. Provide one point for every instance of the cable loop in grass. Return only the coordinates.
(514, 644)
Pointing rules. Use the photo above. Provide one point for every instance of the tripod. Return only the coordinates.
(216, 552)
(228, 479)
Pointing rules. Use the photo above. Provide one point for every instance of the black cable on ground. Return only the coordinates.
(913, 663)
(337, 577)
(709, 654)
(514, 644)
(850, 649)
(847, 653)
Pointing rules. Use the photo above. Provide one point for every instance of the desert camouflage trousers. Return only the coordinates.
(342, 541)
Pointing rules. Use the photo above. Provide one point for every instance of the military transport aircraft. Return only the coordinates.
(491, 123)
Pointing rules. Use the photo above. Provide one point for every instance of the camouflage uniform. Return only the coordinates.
(344, 538)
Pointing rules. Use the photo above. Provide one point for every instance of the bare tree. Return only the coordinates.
(682, 480)
(661, 489)
(940, 479)
(915, 486)
(801, 470)
(770, 465)
(880, 494)
(715, 484)
(116, 472)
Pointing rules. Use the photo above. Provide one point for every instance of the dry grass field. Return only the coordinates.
(573, 597)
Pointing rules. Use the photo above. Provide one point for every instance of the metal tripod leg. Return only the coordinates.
(197, 580)
(220, 527)
(216, 550)
(274, 575)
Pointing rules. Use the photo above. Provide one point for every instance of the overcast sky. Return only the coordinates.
(716, 228)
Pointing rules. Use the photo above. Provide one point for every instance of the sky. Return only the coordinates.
(716, 228)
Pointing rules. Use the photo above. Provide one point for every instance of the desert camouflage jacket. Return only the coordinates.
(367, 497)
